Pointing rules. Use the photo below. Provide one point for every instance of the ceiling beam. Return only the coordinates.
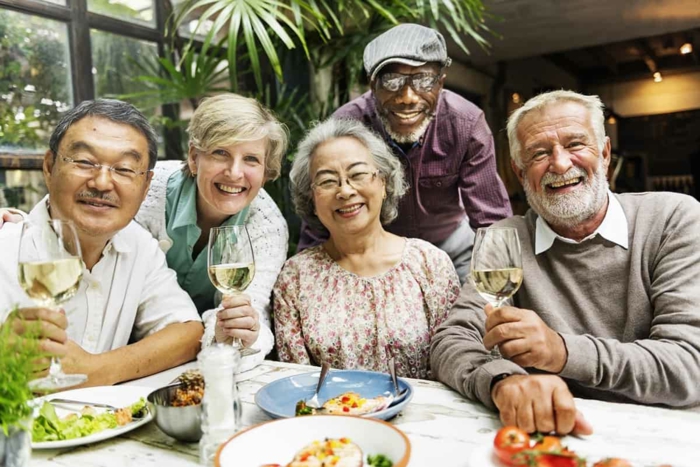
(648, 54)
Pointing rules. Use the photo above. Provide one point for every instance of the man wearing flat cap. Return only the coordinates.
(441, 139)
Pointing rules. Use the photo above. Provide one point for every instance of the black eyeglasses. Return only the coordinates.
(420, 82)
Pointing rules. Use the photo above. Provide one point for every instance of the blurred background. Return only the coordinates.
(303, 59)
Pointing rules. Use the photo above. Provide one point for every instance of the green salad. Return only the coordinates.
(49, 427)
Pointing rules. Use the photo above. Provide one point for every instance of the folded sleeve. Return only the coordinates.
(162, 301)
(458, 357)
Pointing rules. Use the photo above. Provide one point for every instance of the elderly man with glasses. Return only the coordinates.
(129, 318)
(442, 141)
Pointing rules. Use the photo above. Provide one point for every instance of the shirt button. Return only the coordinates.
(165, 244)
(438, 184)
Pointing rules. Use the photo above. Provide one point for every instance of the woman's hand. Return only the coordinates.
(238, 320)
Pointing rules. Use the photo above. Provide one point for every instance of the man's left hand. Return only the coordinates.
(523, 338)
(237, 319)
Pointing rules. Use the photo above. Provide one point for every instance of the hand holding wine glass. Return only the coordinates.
(50, 270)
(231, 262)
(496, 267)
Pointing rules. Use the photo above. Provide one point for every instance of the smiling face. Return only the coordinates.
(352, 207)
(228, 177)
(98, 205)
(564, 171)
(406, 113)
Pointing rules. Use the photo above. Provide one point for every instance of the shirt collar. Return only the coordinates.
(613, 228)
(186, 209)
(119, 241)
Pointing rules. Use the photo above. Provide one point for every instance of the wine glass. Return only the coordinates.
(49, 271)
(496, 267)
(231, 263)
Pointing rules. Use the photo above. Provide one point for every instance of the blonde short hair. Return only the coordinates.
(592, 103)
(228, 119)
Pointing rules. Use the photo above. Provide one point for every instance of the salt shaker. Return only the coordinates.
(221, 408)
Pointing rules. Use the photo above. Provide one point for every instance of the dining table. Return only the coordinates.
(444, 428)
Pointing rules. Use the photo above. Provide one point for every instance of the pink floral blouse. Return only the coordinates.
(323, 312)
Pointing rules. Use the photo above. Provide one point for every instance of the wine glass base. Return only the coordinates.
(59, 381)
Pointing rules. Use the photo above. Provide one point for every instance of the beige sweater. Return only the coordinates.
(630, 318)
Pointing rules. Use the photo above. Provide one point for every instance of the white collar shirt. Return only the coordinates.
(613, 228)
(129, 294)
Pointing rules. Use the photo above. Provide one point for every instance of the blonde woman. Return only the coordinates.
(235, 146)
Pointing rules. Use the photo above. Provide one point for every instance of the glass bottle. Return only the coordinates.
(221, 408)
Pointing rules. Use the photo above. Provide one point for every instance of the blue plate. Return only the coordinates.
(278, 399)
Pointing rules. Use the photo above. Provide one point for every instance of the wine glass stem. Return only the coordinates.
(495, 351)
(55, 369)
(236, 341)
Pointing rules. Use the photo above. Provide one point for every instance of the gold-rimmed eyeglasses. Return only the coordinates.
(331, 184)
(121, 172)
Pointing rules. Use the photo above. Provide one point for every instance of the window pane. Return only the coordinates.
(117, 63)
(134, 11)
(35, 83)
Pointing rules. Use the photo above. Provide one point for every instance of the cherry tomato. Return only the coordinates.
(562, 460)
(509, 441)
(612, 462)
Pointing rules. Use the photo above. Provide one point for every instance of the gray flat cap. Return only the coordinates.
(410, 44)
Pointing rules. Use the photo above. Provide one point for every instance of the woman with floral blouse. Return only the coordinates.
(365, 295)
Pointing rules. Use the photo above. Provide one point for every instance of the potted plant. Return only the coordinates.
(18, 357)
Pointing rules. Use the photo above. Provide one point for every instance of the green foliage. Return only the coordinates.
(267, 27)
(17, 360)
(34, 79)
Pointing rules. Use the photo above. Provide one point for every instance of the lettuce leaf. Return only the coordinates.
(48, 427)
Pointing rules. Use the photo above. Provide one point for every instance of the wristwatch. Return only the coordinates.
(497, 378)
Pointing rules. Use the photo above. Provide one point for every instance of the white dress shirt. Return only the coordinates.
(129, 294)
(613, 228)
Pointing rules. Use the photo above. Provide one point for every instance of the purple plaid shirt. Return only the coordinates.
(451, 172)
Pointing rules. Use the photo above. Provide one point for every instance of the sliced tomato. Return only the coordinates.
(509, 441)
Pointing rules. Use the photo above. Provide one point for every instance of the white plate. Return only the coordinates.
(277, 441)
(118, 396)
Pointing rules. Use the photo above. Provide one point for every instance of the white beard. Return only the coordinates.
(569, 209)
(411, 137)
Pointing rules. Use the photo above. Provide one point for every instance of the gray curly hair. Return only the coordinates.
(389, 167)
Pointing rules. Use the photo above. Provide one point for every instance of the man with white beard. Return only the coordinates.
(442, 141)
(609, 307)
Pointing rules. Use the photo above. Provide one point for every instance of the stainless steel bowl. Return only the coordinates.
(182, 423)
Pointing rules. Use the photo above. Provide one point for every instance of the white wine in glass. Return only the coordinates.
(496, 267)
(50, 269)
(231, 262)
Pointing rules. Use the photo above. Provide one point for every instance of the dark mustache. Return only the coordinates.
(95, 194)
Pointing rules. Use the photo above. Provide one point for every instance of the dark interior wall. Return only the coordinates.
(669, 141)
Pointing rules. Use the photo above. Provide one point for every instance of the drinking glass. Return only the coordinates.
(50, 269)
(231, 263)
(496, 267)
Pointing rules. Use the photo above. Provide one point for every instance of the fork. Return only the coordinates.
(70, 402)
(313, 402)
(392, 372)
